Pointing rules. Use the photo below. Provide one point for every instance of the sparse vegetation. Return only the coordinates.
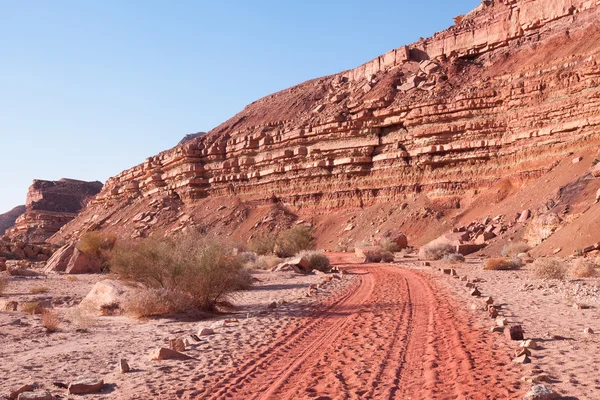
(455, 258)
(549, 268)
(263, 244)
(583, 268)
(31, 307)
(316, 260)
(39, 290)
(265, 263)
(387, 256)
(97, 246)
(50, 320)
(514, 249)
(294, 240)
(200, 270)
(154, 302)
(437, 251)
(389, 245)
(502, 264)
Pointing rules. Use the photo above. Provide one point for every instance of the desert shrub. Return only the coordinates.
(3, 284)
(454, 258)
(263, 244)
(582, 268)
(50, 321)
(389, 245)
(97, 246)
(31, 307)
(294, 240)
(201, 270)
(387, 256)
(548, 268)
(437, 251)
(316, 260)
(502, 264)
(39, 290)
(514, 249)
(154, 302)
(265, 263)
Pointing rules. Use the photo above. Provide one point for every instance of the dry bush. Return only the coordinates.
(389, 245)
(201, 270)
(153, 303)
(30, 307)
(387, 256)
(72, 278)
(50, 320)
(514, 249)
(582, 268)
(548, 268)
(263, 244)
(110, 308)
(265, 263)
(502, 264)
(455, 258)
(316, 260)
(39, 290)
(3, 284)
(294, 240)
(436, 251)
(97, 246)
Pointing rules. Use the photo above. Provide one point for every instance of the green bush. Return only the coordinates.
(437, 251)
(201, 270)
(294, 240)
(263, 244)
(316, 260)
(97, 246)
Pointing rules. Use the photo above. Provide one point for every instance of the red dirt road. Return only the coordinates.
(393, 335)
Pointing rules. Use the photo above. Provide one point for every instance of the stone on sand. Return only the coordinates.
(541, 392)
(22, 389)
(36, 395)
(124, 366)
(86, 386)
(167, 354)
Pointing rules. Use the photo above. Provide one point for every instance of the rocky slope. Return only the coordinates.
(49, 206)
(502, 96)
(8, 218)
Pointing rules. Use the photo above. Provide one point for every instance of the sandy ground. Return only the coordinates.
(29, 355)
(546, 310)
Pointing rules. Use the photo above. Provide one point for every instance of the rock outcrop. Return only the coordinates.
(8, 218)
(510, 89)
(49, 206)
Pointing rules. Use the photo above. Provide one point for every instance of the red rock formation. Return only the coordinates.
(49, 206)
(505, 93)
(8, 219)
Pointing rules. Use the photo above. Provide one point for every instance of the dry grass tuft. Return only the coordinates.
(316, 260)
(583, 268)
(265, 263)
(39, 290)
(387, 256)
(31, 307)
(514, 249)
(72, 278)
(50, 321)
(294, 240)
(389, 245)
(502, 264)
(549, 268)
(263, 244)
(455, 258)
(436, 251)
(97, 246)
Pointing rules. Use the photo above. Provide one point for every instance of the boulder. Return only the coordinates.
(398, 238)
(468, 248)
(541, 392)
(59, 260)
(484, 237)
(177, 345)
(124, 366)
(522, 359)
(35, 395)
(541, 228)
(79, 263)
(25, 388)
(167, 354)
(524, 216)
(514, 332)
(104, 293)
(595, 171)
(368, 253)
(205, 332)
(297, 264)
(529, 344)
(85, 386)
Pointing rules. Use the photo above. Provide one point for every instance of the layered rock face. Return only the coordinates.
(8, 219)
(49, 206)
(507, 91)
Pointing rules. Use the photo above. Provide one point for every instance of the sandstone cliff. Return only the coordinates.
(49, 206)
(504, 94)
(8, 218)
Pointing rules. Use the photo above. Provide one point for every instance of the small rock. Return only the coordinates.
(22, 389)
(529, 344)
(470, 285)
(523, 359)
(475, 292)
(85, 386)
(588, 331)
(536, 378)
(556, 251)
(123, 366)
(206, 332)
(522, 351)
(177, 345)
(167, 354)
(514, 332)
(541, 392)
(464, 278)
(498, 329)
(501, 321)
(272, 306)
(37, 395)
(489, 300)
(577, 160)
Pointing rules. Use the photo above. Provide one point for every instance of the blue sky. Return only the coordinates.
(90, 88)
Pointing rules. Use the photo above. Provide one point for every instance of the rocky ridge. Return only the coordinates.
(504, 94)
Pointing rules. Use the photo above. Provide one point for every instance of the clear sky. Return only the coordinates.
(89, 88)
